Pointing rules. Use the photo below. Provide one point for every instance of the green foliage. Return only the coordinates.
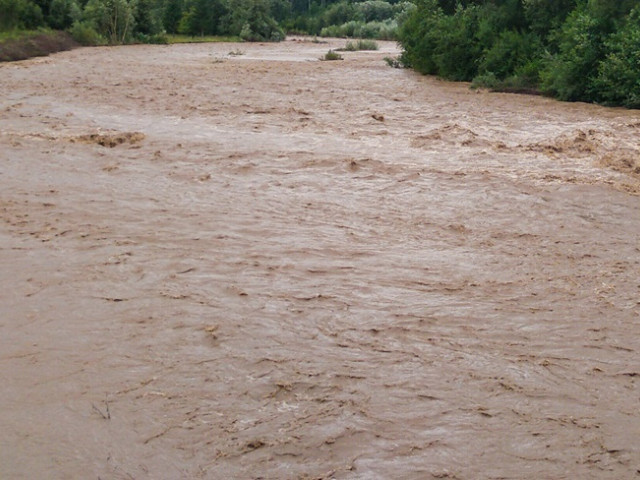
(385, 30)
(112, 19)
(124, 21)
(457, 53)
(20, 14)
(361, 45)
(393, 62)
(85, 34)
(618, 80)
(542, 16)
(202, 17)
(171, 15)
(586, 50)
(148, 19)
(331, 55)
(338, 13)
(510, 51)
(373, 10)
(572, 49)
(377, 19)
(568, 75)
(419, 36)
(63, 13)
(441, 44)
(198, 39)
(252, 21)
(32, 16)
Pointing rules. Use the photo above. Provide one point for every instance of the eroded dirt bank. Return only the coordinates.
(265, 266)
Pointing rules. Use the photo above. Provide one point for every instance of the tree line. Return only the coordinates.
(575, 50)
(124, 21)
(94, 22)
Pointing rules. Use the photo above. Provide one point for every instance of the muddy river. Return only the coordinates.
(234, 261)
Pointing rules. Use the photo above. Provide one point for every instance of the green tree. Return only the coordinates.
(114, 19)
(16, 14)
(374, 10)
(458, 53)
(148, 17)
(62, 14)
(545, 15)
(202, 17)
(171, 15)
(419, 36)
(618, 80)
(252, 20)
(569, 74)
(511, 51)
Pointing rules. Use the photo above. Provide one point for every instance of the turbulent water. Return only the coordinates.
(253, 264)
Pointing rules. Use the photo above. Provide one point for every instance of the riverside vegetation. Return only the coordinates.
(98, 22)
(576, 50)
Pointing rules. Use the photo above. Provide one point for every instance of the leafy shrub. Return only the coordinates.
(252, 21)
(347, 29)
(374, 10)
(62, 14)
(111, 19)
(331, 55)
(361, 45)
(375, 29)
(524, 80)
(618, 80)
(568, 75)
(393, 62)
(156, 39)
(510, 51)
(419, 36)
(18, 14)
(402, 10)
(386, 30)
(338, 13)
(85, 34)
(349, 47)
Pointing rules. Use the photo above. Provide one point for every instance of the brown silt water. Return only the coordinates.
(262, 265)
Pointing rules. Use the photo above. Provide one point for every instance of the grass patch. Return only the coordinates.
(361, 45)
(19, 34)
(394, 62)
(204, 39)
(23, 44)
(331, 55)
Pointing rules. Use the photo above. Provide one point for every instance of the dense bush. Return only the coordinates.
(420, 36)
(251, 19)
(361, 45)
(20, 14)
(63, 13)
(568, 75)
(331, 55)
(618, 80)
(385, 30)
(375, 19)
(585, 50)
(510, 52)
(85, 34)
(374, 10)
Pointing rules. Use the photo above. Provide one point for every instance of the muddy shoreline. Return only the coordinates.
(261, 265)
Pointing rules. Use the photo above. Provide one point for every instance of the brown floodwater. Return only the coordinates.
(236, 261)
